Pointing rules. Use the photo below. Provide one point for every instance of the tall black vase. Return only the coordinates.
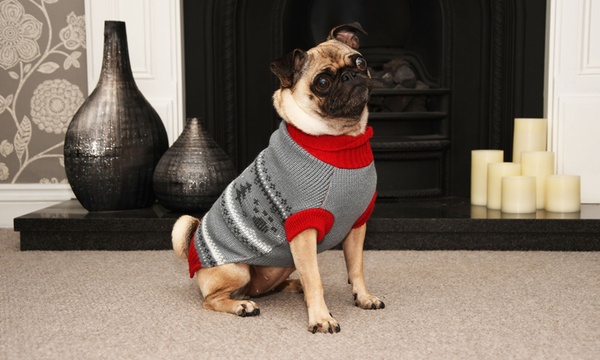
(116, 138)
(193, 172)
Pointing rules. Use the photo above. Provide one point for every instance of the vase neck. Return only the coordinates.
(115, 61)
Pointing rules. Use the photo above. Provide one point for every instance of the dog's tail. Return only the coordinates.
(182, 234)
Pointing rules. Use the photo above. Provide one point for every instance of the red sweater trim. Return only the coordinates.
(193, 260)
(346, 152)
(319, 219)
(367, 214)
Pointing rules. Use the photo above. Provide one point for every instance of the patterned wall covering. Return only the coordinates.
(43, 81)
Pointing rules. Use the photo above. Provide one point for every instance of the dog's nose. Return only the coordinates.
(348, 75)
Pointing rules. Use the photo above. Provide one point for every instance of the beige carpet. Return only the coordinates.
(439, 305)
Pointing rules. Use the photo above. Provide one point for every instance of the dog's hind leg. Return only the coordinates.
(268, 278)
(224, 289)
(290, 286)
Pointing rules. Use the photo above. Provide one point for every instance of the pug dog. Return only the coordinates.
(310, 189)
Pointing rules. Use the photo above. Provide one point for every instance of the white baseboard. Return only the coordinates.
(21, 199)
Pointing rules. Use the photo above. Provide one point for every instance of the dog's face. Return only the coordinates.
(324, 91)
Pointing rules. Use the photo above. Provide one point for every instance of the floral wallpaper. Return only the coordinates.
(43, 81)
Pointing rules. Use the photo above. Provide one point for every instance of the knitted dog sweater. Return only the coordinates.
(298, 182)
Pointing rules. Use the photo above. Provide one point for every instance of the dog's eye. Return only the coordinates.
(323, 83)
(361, 63)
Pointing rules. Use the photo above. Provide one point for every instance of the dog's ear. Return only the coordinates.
(289, 67)
(347, 34)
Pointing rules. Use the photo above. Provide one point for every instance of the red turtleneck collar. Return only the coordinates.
(346, 152)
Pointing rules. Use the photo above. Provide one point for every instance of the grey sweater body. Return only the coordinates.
(246, 224)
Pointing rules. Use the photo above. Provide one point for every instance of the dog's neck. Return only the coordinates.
(345, 151)
(292, 113)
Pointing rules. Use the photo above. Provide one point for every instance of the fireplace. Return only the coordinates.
(481, 61)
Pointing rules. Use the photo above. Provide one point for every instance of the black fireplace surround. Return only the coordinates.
(483, 61)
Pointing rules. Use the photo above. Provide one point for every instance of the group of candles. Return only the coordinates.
(529, 182)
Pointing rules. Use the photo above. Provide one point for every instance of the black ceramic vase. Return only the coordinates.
(193, 172)
(116, 138)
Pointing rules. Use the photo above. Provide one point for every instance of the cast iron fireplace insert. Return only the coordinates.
(482, 62)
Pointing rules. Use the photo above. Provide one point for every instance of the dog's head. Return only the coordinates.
(324, 91)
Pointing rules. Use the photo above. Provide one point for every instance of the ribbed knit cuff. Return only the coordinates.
(319, 219)
(366, 215)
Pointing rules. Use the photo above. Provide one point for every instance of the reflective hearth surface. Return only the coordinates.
(423, 224)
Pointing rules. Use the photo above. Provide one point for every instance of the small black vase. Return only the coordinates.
(193, 173)
(116, 138)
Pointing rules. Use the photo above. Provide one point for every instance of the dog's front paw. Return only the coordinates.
(325, 325)
(368, 301)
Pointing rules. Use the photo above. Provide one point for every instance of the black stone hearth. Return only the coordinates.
(438, 224)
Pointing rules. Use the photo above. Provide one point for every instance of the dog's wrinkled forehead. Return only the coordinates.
(338, 54)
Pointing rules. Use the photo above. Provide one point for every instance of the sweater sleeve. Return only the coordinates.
(315, 218)
(367, 214)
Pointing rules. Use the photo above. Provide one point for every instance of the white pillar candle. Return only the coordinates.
(506, 215)
(479, 161)
(496, 171)
(529, 135)
(494, 214)
(541, 165)
(518, 194)
(478, 212)
(563, 193)
(561, 215)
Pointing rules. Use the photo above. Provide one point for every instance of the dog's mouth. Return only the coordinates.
(348, 104)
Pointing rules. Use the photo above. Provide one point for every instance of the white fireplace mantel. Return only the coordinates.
(154, 36)
(572, 73)
(573, 90)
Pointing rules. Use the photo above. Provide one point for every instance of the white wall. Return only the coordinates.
(154, 34)
(573, 91)
(21, 199)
